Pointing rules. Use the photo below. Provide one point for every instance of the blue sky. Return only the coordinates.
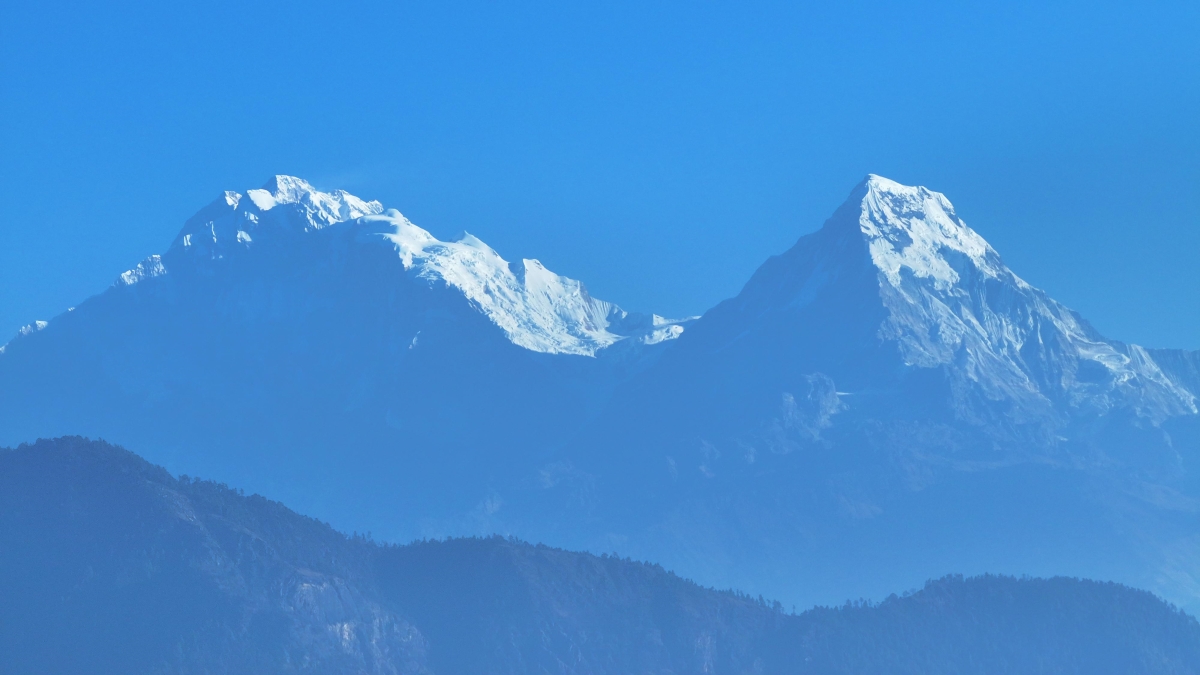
(657, 151)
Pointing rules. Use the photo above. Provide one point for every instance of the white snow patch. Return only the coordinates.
(34, 327)
(148, 268)
(537, 309)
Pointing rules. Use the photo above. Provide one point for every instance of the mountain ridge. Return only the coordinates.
(536, 308)
(114, 565)
(885, 371)
(947, 299)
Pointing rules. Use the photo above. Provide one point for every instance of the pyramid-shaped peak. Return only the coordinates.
(878, 183)
(906, 196)
(915, 230)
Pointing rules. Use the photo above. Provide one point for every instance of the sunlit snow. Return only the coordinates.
(951, 299)
(536, 308)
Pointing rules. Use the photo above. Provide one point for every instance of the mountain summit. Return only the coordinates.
(289, 338)
(881, 404)
(536, 308)
(951, 300)
(887, 399)
(901, 304)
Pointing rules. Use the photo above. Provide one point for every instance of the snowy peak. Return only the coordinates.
(536, 308)
(320, 208)
(285, 204)
(952, 301)
(948, 301)
(915, 231)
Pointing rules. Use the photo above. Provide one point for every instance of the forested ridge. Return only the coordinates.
(111, 565)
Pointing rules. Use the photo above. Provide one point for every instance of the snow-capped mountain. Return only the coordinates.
(883, 403)
(900, 304)
(951, 301)
(301, 342)
(536, 308)
(887, 399)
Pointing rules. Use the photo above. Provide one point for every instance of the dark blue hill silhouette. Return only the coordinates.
(111, 565)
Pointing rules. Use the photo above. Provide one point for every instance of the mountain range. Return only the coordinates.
(884, 403)
(112, 565)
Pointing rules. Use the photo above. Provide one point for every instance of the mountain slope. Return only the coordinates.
(317, 347)
(112, 565)
(884, 403)
(887, 401)
(895, 297)
(536, 309)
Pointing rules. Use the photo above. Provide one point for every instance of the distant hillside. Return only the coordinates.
(110, 565)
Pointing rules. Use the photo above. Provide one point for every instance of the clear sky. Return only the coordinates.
(657, 151)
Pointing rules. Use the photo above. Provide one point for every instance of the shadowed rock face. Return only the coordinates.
(111, 565)
(886, 384)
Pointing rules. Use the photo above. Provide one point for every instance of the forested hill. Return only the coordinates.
(108, 564)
